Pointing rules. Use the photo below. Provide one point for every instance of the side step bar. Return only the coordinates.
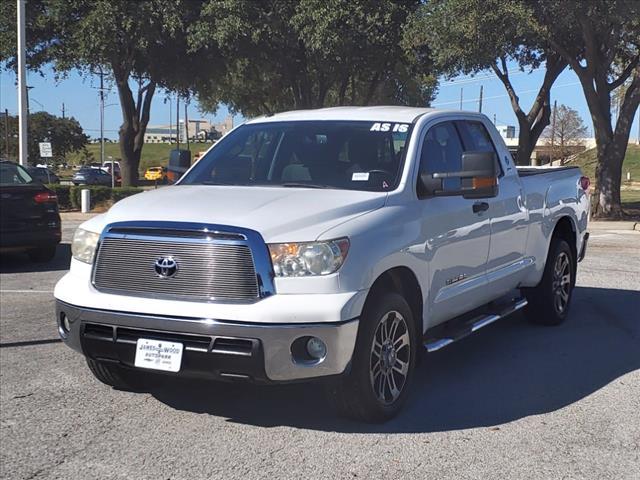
(460, 330)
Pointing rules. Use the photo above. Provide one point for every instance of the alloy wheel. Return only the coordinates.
(561, 282)
(390, 356)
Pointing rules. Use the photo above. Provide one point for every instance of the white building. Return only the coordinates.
(198, 130)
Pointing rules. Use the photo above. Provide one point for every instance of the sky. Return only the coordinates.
(80, 96)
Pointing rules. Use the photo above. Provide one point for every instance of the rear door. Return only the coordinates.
(457, 239)
(509, 216)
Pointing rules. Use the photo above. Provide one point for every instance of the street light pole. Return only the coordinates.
(6, 132)
(22, 85)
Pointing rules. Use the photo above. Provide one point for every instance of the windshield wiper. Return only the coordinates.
(303, 185)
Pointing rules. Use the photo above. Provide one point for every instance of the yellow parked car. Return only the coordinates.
(156, 174)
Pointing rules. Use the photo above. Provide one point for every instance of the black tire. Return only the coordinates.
(356, 394)
(550, 300)
(42, 254)
(116, 376)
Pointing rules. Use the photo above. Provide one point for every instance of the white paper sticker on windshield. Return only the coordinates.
(360, 177)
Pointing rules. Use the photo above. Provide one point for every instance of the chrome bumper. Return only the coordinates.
(265, 356)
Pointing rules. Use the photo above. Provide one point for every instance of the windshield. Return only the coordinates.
(13, 174)
(313, 154)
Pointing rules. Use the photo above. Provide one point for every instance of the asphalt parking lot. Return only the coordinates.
(513, 401)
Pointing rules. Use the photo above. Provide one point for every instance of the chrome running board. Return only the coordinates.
(453, 330)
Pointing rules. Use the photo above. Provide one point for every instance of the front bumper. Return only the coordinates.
(215, 349)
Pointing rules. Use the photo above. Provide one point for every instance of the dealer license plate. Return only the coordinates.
(158, 355)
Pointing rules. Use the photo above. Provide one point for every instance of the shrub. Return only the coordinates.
(99, 194)
(122, 192)
(64, 195)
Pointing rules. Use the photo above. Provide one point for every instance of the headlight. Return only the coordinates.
(84, 245)
(308, 258)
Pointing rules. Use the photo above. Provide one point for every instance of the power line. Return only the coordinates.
(487, 76)
(502, 96)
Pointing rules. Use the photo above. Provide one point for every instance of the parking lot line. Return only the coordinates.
(27, 291)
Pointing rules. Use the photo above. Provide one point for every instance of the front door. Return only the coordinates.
(457, 239)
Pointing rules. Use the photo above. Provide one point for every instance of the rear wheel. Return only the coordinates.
(383, 362)
(42, 254)
(116, 376)
(549, 301)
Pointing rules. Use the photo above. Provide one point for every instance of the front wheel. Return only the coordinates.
(549, 301)
(383, 362)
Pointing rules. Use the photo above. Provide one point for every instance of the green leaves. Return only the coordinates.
(282, 55)
(65, 134)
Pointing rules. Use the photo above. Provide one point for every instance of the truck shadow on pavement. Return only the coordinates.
(508, 371)
(20, 262)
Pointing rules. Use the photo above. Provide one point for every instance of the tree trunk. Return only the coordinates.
(605, 202)
(525, 145)
(531, 124)
(135, 117)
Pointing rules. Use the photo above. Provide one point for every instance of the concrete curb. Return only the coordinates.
(614, 226)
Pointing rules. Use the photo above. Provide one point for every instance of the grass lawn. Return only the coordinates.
(153, 154)
(587, 162)
(630, 192)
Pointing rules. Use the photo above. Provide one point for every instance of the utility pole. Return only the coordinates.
(63, 117)
(186, 122)
(461, 98)
(6, 132)
(23, 155)
(178, 121)
(480, 102)
(494, 118)
(101, 73)
(553, 129)
(170, 120)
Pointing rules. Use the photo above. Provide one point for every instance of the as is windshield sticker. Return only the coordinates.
(390, 127)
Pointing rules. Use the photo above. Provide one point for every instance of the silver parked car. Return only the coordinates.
(43, 175)
(91, 176)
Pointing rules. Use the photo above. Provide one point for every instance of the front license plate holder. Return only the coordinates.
(158, 355)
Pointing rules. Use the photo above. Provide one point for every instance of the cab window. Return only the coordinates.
(442, 152)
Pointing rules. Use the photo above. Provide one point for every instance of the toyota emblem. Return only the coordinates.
(166, 267)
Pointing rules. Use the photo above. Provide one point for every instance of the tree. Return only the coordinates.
(566, 130)
(281, 55)
(600, 39)
(64, 134)
(471, 36)
(141, 45)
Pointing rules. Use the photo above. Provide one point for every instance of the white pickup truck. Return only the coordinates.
(329, 244)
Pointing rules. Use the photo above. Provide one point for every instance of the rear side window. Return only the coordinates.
(475, 137)
(442, 152)
(12, 174)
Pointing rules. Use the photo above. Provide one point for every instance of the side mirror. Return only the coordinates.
(478, 178)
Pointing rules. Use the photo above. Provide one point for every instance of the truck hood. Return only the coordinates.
(279, 214)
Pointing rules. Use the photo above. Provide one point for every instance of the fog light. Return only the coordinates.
(64, 321)
(316, 348)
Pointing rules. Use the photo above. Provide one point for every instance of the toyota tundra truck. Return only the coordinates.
(330, 244)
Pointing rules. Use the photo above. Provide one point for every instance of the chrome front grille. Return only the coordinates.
(209, 268)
